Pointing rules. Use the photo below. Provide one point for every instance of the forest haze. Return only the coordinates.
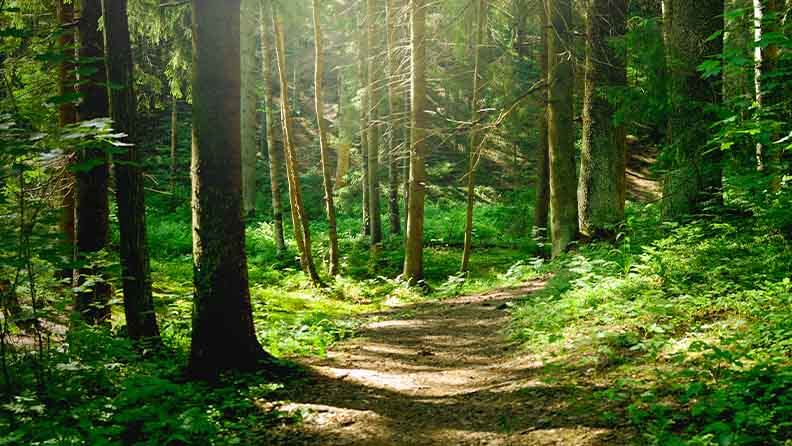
(396, 222)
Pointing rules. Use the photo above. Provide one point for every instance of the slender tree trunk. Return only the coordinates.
(327, 176)
(603, 161)
(413, 255)
(373, 128)
(272, 153)
(695, 175)
(67, 114)
(543, 157)
(91, 203)
(393, 109)
(561, 126)
(344, 145)
(223, 335)
(130, 196)
(174, 140)
(249, 103)
(302, 234)
(765, 61)
(473, 148)
(364, 106)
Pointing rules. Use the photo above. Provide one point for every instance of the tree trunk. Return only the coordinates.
(136, 272)
(473, 148)
(67, 114)
(327, 176)
(765, 61)
(393, 110)
(91, 203)
(603, 160)
(561, 126)
(223, 335)
(543, 157)
(372, 90)
(364, 106)
(695, 174)
(272, 153)
(249, 104)
(174, 139)
(302, 234)
(413, 255)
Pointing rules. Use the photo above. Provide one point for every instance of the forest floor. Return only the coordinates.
(439, 373)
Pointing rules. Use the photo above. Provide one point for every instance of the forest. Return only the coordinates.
(396, 222)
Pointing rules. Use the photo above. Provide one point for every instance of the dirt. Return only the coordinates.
(440, 373)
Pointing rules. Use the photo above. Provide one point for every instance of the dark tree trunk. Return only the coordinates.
(91, 204)
(138, 302)
(223, 335)
(67, 114)
(542, 159)
(393, 112)
(372, 91)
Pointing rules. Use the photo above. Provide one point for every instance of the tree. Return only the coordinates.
(393, 111)
(249, 103)
(363, 55)
(766, 53)
(269, 128)
(91, 203)
(561, 126)
(603, 160)
(223, 335)
(141, 320)
(302, 234)
(694, 175)
(372, 92)
(542, 207)
(473, 147)
(413, 253)
(327, 176)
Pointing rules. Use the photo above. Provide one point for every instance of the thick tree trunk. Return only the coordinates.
(247, 43)
(543, 157)
(765, 60)
(91, 203)
(413, 255)
(372, 91)
(363, 50)
(223, 335)
(473, 148)
(327, 176)
(269, 126)
(141, 320)
(561, 126)
(67, 114)
(393, 110)
(695, 174)
(603, 160)
(302, 234)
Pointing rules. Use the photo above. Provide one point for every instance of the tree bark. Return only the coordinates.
(413, 256)
(91, 203)
(249, 104)
(302, 234)
(67, 114)
(542, 207)
(272, 153)
(393, 110)
(473, 148)
(765, 61)
(223, 335)
(327, 175)
(694, 177)
(561, 126)
(364, 106)
(603, 160)
(174, 139)
(141, 319)
(372, 91)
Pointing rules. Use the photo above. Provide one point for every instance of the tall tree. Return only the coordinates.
(543, 157)
(561, 125)
(413, 253)
(766, 53)
(393, 111)
(223, 336)
(91, 203)
(327, 176)
(603, 158)
(363, 55)
(372, 91)
(302, 234)
(248, 30)
(694, 175)
(136, 272)
(269, 128)
(473, 145)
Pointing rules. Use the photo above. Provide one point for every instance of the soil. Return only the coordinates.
(440, 373)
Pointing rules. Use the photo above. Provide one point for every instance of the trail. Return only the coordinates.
(439, 373)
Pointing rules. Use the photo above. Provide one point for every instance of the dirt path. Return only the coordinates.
(440, 373)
